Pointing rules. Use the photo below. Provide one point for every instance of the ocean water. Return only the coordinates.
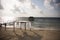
(39, 22)
(44, 22)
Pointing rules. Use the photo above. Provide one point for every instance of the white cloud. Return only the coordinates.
(47, 4)
(53, 8)
(51, 4)
(57, 5)
(25, 8)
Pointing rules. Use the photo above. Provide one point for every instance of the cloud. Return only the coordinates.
(52, 4)
(17, 8)
(13, 8)
(28, 9)
(21, 1)
(57, 5)
(57, 1)
(48, 5)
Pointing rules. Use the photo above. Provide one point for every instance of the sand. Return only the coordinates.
(21, 34)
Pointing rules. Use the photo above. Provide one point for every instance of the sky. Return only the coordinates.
(13, 8)
(26, 8)
(51, 8)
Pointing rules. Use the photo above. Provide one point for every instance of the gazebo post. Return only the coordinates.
(30, 25)
(25, 26)
(14, 26)
(20, 25)
(5, 25)
(0, 26)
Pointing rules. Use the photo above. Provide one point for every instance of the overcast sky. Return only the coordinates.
(50, 7)
(40, 8)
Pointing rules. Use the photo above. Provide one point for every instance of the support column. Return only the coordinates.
(5, 28)
(20, 25)
(14, 25)
(30, 25)
(5, 24)
(25, 25)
